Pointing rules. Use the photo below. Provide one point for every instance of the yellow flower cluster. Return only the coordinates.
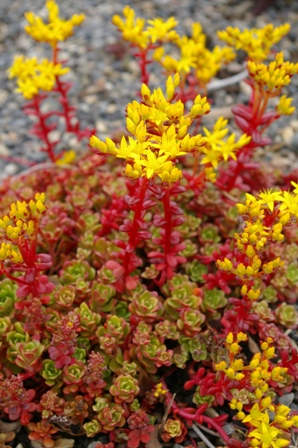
(159, 390)
(284, 106)
(11, 252)
(33, 76)
(134, 30)
(159, 132)
(273, 77)
(67, 158)
(258, 373)
(22, 220)
(280, 206)
(194, 55)
(56, 29)
(216, 148)
(159, 135)
(256, 42)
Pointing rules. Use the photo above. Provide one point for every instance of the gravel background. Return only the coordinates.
(104, 82)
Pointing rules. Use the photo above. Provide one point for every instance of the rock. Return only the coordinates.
(101, 126)
(245, 88)
(11, 169)
(287, 134)
(294, 143)
(286, 399)
(111, 108)
(3, 150)
(294, 125)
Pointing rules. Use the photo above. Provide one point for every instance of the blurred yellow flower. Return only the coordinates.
(56, 29)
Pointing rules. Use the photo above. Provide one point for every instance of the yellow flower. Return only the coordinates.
(159, 134)
(20, 226)
(255, 415)
(216, 148)
(269, 197)
(160, 30)
(66, 158)
(159, 390)
(194, 56)
(200, 107)
(56, 29)
(284, 106)
(11, 252)
(132, 29)
(289, 203)
(33, 76)
(267, 435)
(256, 42)
(273, 77)
(208, 63)
(153, 163)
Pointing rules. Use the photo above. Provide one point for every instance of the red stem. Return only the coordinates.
(233, 178)
(62, 91)
(143, 66)
(167, 227)
(45, 137)
(14, 279)
(217, 427)
(133, 237)
(18, 160)
(194, 417)
(64, 103)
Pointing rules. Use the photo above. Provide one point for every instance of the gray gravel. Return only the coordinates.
(103, 83)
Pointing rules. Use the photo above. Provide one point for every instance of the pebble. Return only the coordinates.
(11, 169)
(245, 88)
(286, 399)
(294, 143)
(3, 150)
(280, 162)
(287, 134)
(101, 126)
(294, 125)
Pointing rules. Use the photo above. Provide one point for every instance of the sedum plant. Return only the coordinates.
(141, 299)
(38, 81)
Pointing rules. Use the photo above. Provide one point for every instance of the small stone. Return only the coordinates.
(10, 138)
(241, 8)
(133, 67)
(97, 87)
(91, 99)
(294, 143)
(111, 108)
(280, 162)
(286, 399)
(11, 169)
(101, 126)
(109, 86)
(287, 134)
(294, 125)
(3, 150)
(245, 88)
(3, 96)
(229, 100)
(54, 135)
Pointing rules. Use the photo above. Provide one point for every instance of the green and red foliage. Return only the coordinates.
(125, 296)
